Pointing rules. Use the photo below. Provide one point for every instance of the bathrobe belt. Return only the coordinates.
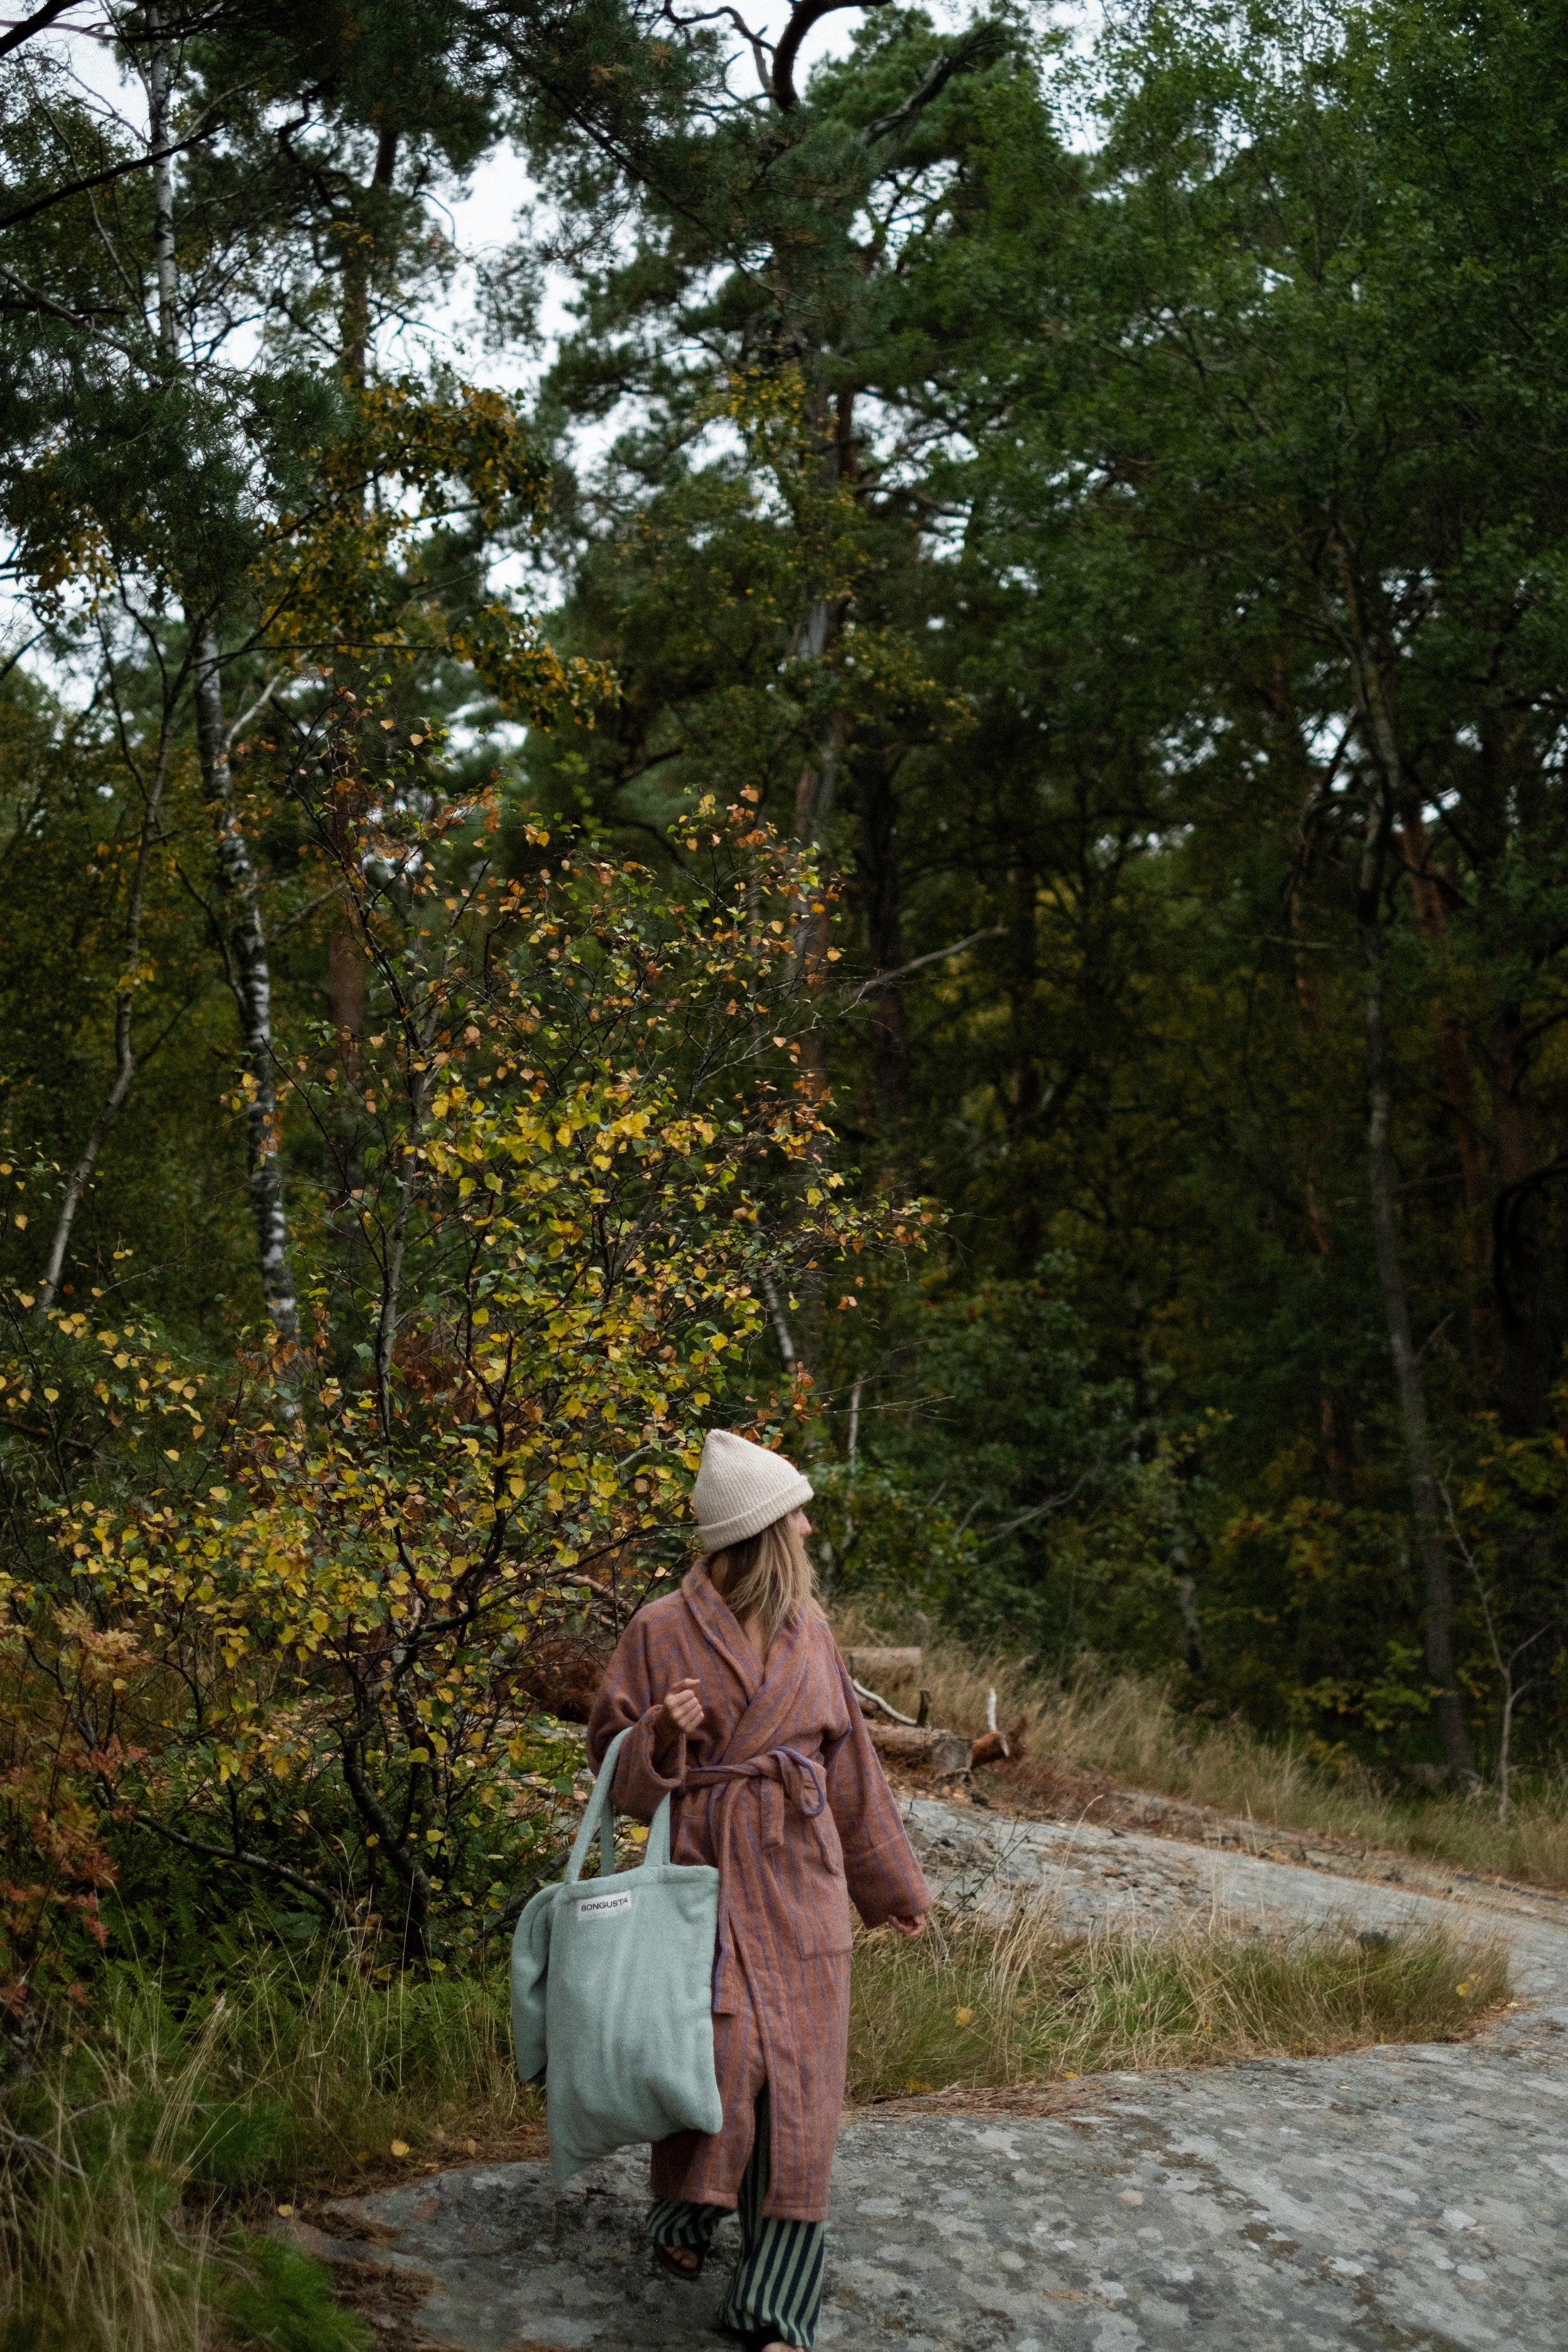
(788, 1777)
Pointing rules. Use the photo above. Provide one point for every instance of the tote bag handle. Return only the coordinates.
(600, 1815)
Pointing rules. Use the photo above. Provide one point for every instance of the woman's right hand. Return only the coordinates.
(680, 1714)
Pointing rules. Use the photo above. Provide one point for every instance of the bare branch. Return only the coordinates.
(877, 1699)
(37, 300)
(23, 28)
(41, 2147)
(981, 48)
(101, 179)
(246, 717)
(806, 14)
(762, 50)
(245, 1858)
(886, 979)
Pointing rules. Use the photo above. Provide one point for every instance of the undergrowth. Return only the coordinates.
(971, 2006)
(1129, 1728)
(144, 2156)
(154, 2145)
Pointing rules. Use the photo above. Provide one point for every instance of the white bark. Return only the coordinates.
(164, 264)
(245, 941)
(250, 977)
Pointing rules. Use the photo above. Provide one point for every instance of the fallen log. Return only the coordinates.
(945, 1751)
(874, 1666)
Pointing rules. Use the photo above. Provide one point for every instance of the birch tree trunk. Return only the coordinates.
(251, 978)
(244, 935)
(1455, 1074)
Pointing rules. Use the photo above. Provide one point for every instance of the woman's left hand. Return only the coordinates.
(911, 1924)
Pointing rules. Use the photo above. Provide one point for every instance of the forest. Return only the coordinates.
(896, 780)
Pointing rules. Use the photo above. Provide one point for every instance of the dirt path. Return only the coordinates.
(1404, 2198)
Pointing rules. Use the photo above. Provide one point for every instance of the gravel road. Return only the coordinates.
(1403, 2198)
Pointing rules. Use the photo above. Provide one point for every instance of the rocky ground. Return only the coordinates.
(1404, 2197)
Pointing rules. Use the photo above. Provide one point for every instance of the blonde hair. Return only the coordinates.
(768, 1576)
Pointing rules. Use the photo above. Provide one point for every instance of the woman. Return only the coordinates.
(739, 1705)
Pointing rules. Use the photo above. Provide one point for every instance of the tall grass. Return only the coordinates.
(157, 2142)
(975, 2007)
(1126, 1727)
(128, 2223)
(145, 2152)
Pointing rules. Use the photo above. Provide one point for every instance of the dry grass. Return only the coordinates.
(1125, 1727)
(107, 2259)
(978, 2007)
(123, 2228)
(166, 2135)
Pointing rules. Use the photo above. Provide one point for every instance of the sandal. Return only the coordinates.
(665, 2257)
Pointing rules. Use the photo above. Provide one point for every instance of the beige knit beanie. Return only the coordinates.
(741, 1489)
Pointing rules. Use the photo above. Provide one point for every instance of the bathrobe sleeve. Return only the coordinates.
(884, 1879)
(629, 1699)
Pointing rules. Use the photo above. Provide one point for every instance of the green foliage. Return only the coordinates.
(130, 2219)
(1144, 419)
(286, 2301)
(289, 1609)
(1058, 567)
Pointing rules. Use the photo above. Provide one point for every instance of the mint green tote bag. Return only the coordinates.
(612, 1993)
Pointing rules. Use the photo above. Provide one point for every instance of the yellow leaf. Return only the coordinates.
(964, 2017)
(173, 1452)
(400, 2148)
(52, 1396)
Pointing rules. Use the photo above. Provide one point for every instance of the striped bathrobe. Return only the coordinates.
(789, 1865)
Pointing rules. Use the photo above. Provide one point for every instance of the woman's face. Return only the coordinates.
(798, 1524)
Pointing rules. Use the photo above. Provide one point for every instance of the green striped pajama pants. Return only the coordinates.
(776, 2291)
